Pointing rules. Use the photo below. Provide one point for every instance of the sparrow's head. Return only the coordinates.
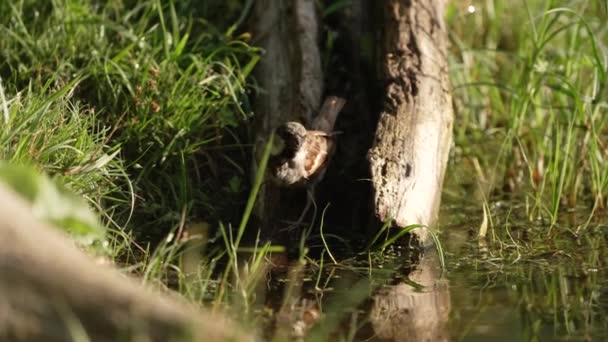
(289, 139)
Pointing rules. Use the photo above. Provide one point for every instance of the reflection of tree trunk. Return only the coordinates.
(414, 133)
(290, 76)
(404, 313)
(50, 291)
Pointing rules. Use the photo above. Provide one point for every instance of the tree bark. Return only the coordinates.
(414, 133)
(291, 79)
(408, 156)
(51, 291)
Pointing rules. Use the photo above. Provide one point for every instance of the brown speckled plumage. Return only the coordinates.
(306, 153)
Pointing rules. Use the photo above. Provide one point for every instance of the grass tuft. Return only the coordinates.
(530, 88)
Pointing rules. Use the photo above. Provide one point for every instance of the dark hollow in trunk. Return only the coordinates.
(291, 78)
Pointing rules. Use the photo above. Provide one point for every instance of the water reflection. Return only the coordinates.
(523, 285)
(414, 311)
(401, 301)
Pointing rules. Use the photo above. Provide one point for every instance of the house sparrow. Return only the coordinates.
(301, 156)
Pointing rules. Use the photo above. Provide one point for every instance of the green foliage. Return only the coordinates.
(530, 90)
(54, 204)
(148, 77)
(136, 106)
(48, 128)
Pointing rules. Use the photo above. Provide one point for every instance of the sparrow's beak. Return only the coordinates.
(278, 145)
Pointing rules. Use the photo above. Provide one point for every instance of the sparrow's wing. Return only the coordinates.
(326, 119)
(318, 152)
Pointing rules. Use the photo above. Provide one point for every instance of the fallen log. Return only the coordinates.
(51, 291)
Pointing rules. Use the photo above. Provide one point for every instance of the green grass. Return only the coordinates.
(139, 107)
(143, 97)
(531, 98)
(530, 83)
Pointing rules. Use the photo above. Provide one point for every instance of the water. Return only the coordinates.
(528, 284)
(524, 282)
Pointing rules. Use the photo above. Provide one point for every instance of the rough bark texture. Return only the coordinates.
(50, 291)
(414, 132)
(290, 76)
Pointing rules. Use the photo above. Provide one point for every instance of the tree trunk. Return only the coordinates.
(414, 133)
(408, 156)
(291, 79)
(50, 291)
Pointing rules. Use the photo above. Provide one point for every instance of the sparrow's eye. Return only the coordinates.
(277, 145)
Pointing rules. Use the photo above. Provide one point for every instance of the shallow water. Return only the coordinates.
(528, 284)
(524, 282)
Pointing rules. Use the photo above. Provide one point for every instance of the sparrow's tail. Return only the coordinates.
(326, 119)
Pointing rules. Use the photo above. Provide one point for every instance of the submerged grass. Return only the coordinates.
(548, 288)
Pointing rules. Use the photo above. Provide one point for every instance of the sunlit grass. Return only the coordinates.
(163, 88)
(530, 87)
(138, 106)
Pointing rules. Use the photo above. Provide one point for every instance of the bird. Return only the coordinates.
(300, 156)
